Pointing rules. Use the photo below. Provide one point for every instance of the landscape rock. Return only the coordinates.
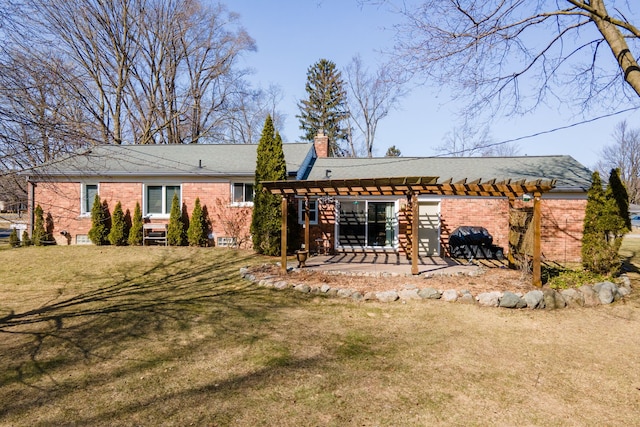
(332, 292)
(489, 299)
(553, 300)
(325, 288)
(623, 292)
(429, 293)
(408, 294)
(357, 296)
(282, 284)
(573, 297)
(534, 299)
(450, 295)
(509, 300)
(302, 287)
(466, 297)
(369, 296)
(387, 296)
(589, 295)
(345, 293)
(606, 292)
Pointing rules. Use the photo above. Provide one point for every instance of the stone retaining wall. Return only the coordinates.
(584, 296)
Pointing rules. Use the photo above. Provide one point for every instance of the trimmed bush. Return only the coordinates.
(117, 234)
(26, 240)
(175, 232)
(39, 233)
(135, 233)
(197, 232)
(14, 240)
(99, 231)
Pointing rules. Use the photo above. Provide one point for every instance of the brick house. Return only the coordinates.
(222, 177)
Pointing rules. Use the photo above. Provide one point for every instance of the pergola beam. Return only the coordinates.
(413, 187)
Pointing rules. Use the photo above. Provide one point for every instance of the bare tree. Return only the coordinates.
(471, 141)
(246, 110)
(624, 153)
(568, 49)
(370, 98)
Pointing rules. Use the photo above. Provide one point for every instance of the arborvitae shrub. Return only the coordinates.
(39, 233)
(270, 166)
(99, 231)
(14, 240)
(175, 231)
(197, 232)
(26, 240)
(117, 235)
(135, 233)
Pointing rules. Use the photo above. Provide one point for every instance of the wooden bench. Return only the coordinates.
(154, 233)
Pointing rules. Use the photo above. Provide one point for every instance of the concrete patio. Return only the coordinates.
(392, 263)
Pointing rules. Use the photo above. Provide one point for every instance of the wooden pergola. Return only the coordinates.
(412, 187)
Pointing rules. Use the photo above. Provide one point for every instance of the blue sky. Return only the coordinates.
(291, 35)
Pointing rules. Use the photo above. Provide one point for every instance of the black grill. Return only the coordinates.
(473, 243)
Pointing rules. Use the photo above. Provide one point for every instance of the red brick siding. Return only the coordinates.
(561, 224)
(490, 213)
(561, 229)
(63, 202)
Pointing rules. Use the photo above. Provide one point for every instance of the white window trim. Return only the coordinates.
(241, 204)
(396, 239)
(83, 199)
(301, 212)
(165, 208)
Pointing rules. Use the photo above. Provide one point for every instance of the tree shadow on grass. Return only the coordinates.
(165, 298)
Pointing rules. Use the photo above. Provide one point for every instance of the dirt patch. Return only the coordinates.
(483, 280)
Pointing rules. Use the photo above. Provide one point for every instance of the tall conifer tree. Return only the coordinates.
(39, 233)
(118, 233)
(270, 166)
(99, 231)
(326, 106)
(175, 230)
(135, 233)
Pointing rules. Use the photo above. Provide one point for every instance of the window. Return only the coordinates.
(365, 223)
(89, 192)
(158, 198)
(242, 193)
(313, 212)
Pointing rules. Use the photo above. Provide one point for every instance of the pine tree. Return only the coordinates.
(197, 232)
(117, 234)
(393, 151)
(39, 233)
(26, 241)
(270, 166)
(175, 231)
(14, 240)
(325, 109)
(99, 231)
(135, 233)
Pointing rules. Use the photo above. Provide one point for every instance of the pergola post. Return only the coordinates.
(306, 225)
(283, 235)
(414, 233)
(537, 216)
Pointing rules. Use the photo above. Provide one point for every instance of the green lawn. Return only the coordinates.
(172, 336)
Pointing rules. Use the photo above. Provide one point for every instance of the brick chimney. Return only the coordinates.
(321, 144)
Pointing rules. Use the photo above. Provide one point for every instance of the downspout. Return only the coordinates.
(31, 203)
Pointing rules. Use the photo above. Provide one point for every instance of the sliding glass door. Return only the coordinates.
(364, 223)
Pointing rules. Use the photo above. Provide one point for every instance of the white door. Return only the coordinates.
(429, 229)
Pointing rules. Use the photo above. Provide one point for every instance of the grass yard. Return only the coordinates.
(101, 336)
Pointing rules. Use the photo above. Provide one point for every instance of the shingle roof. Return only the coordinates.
(569, 174)
(192, 159)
